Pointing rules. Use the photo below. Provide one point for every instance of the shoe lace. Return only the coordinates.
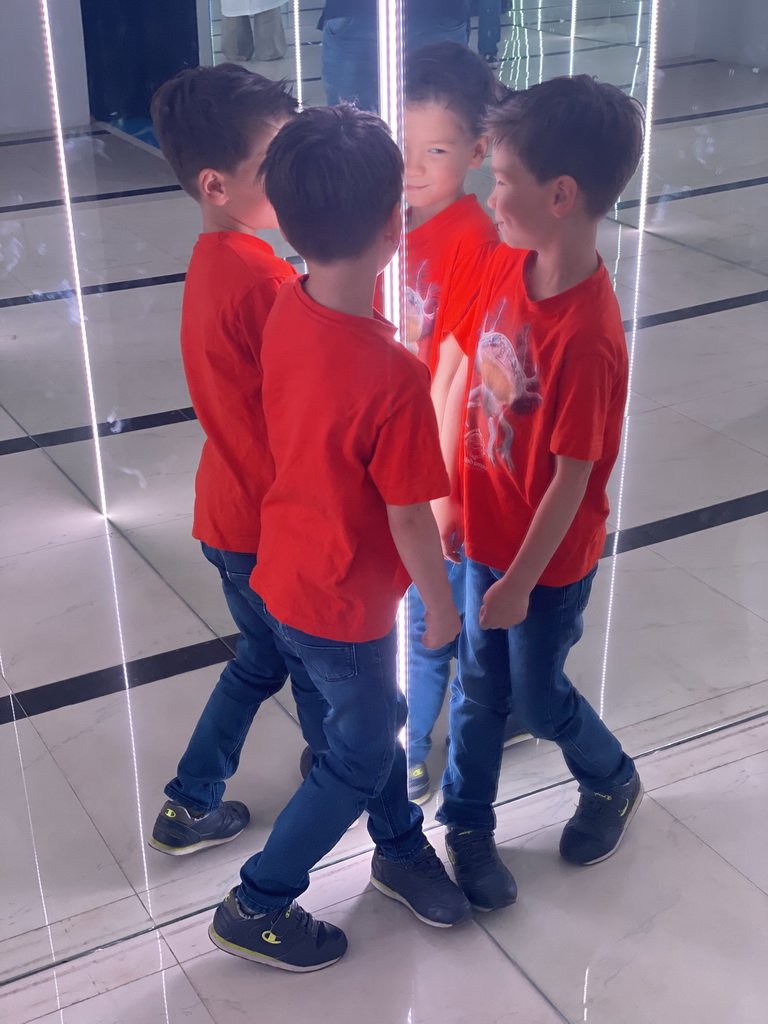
(302, 919)
(428, 864)
(479, 846)
(595, 806)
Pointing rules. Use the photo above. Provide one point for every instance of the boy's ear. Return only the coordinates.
(480, 151)
(212, 187)
(565, 195)
(394, 227)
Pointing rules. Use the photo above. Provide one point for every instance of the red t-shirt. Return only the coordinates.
(546, 378)
(352, 429)
(231, 283)
(445, 258)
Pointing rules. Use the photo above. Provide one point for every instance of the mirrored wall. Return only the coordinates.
(115, 629)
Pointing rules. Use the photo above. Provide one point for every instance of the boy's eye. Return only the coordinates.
(436, 150)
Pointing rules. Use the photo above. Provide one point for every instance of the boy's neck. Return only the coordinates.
(346, 286)
(418, 215)
(562, 264)
(217, 219)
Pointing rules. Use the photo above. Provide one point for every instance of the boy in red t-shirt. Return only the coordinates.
(214, 125)
(544, 403)
(346, 524)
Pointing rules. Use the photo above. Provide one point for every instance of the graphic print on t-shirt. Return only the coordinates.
(421, 305)
(505, 381)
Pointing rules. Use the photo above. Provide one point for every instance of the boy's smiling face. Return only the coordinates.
(438, 153)
(522, 207)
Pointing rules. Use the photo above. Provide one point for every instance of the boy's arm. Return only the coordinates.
(448, 362)
(417, 541)
(506, 602)
(448, 513)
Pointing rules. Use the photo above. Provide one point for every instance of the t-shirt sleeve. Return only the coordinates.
(407, 465)
(463, 287)
(254, 309)
(585, 392)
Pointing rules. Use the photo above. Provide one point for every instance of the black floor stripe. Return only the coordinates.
(40, 700)
(685, 64)
(52, 138)
(690, 312)
(565, 53)
(711, 113)
(692, 193)
(93, 289)
(686, 523)
(97, 197)
(16, 444)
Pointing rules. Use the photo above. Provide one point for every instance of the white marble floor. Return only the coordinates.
(110, 636)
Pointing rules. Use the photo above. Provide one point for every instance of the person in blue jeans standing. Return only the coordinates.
(489, 30)
(350, 55)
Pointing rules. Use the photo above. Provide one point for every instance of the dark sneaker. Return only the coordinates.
(423, 886)
(492, 61)
(600, 822)
(419, 786)
(515, 731)
(480, 873)
(178, 832)
(290, 938)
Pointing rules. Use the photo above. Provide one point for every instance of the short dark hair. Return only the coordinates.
(333, 176)
(577, 126)
(209, 117)
(456, 77)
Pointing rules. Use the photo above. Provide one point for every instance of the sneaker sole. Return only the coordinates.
(182, 851)
(261, 958)
(630, 816)
(423, 799)
(386, 891)
(490, 910)
(514, 740)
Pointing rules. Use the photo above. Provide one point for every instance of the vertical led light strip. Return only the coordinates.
(297, 55)
(574, 16)
(391, 50)
(66, 196)
(644, 182)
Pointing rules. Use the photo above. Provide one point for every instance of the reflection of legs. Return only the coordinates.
(489, 27)
(269, 35)
(236, 38)
(349, 61)
(257, 672)
(480, 702)
(364, 767)
(428, 671)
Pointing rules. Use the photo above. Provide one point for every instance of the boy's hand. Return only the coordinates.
(505, 605)
(442, 627)
(450, 523)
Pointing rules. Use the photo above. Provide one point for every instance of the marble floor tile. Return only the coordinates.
(39, 507)
(674, 465)
(172, 550)
(385, 943)
(725, 807)
(741, 415)
(163, 998)
(53, 991)
(732, 559)
(49, 842)
(149, 475)
(65, 596)
(665, 927)
(9, 427)
(703, 87)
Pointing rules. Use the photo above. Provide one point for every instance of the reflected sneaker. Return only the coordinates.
(481, 874)
(600, 822)
(492, 61)
(423, 885)
(419, 786)
(289, 939)
(515, 731)
(177, 831)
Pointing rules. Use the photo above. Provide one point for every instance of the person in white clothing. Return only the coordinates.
(252, 29)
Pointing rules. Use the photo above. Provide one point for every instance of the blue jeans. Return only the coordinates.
(258, 671)
(364, 768)
(428, 671)
(350, 53)
(488, 26)
(521, 670)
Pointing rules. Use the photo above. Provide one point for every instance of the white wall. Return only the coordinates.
(24, 98)
(730, 30)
